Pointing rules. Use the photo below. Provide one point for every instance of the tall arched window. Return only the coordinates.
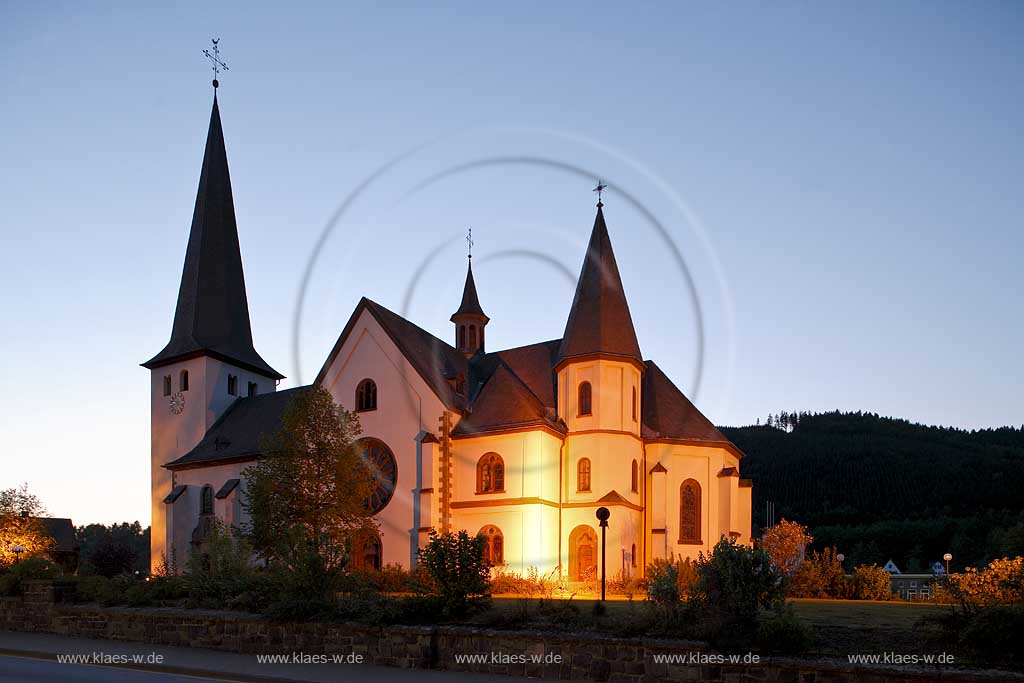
(584, 398)
(494, 546)
(689, 512)
(472, 337)
(167, 385)
(632, 554)
(583, 475)
(206, 500)
(462, 337)
(490, 474)
(634, 404)
(636, 478)
(366, 396)
(183, 381)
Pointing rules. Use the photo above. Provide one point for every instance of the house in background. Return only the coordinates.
(64, 552)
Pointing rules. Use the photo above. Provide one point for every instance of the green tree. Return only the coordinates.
(455, 563)
(306, 496)
(20, 525)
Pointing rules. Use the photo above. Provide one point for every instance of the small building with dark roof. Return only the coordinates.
(519, 445)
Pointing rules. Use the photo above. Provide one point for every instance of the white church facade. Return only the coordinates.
(521, 445)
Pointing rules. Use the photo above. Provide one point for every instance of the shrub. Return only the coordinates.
(989, 636)
(999, 583)
(820, 575)
(221, 569)
(96, 588)
(871, 582)
(733, 584)
(455, 563)
(663, 589)
(11, 583)
(782, 632)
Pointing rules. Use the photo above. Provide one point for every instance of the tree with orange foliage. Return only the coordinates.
(20, 526)
(786, 543)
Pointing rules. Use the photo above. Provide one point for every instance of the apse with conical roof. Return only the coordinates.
(212, 314)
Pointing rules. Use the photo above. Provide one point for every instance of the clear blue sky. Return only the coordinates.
(842, 180)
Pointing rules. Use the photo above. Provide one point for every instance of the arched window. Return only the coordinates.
(584, 398)
(472, 337)
(490, 474)
(206, 500)
(583, 475)
(167, 385)
(462, 336)
(368, 552)
(494, 545)
(632, 554)
(183, 381)
(634, 404)
(689, 512)
(636, 478)
(366, 396)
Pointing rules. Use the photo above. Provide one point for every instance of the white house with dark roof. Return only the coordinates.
(520, 445)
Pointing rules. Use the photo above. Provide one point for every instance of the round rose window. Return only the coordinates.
(383, 470)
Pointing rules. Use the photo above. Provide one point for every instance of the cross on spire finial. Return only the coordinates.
(601, 187)
(469, 241)
(215, 61)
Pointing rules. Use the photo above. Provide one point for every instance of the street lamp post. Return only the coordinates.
(947, 557)
(17, 550)
(602, 516)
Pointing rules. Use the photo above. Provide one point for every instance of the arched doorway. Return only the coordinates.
(582, 553)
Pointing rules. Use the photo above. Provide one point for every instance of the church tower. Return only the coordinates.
(210, 360)
(470, 320)
(599, 370)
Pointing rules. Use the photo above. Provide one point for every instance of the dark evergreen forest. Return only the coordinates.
(878, 488)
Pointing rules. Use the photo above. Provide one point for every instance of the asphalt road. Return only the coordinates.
(30, 669)
(33, 670)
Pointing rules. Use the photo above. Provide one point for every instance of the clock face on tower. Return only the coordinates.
(177, 403)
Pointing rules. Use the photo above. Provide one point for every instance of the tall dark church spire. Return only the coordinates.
(212, 315)
(599, 321)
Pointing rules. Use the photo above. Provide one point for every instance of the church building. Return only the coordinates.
(520, 445)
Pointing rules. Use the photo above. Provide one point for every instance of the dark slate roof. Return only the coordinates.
(212, 315)
(668, 414)
(504, 401)
(236, 434)
(225, 490)
(434, 360)
(175, 493)
(62, 531)
(470, 302)
(599, 320)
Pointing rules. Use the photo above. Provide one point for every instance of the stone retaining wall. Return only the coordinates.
(45, 608)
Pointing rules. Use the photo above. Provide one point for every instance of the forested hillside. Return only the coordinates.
(878, 487)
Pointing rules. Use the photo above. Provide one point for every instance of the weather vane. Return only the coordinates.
(469, 241)
(215, 61)
(601, 187)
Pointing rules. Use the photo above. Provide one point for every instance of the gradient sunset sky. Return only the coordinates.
(838, 188)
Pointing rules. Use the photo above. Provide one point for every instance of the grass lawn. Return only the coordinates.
(840, 627)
